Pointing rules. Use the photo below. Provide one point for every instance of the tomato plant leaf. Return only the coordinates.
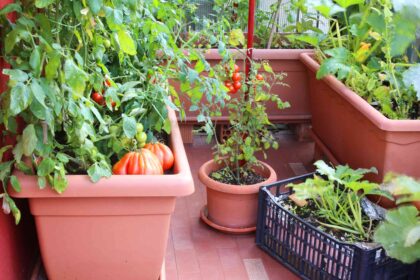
(95, 5)
(348, 3)
(99, 170)
(46, 167)
(15, 183)
(35, 61)
(75, 77)
(29, 140)
(13, 7)
(129, 126)
(43, 3)
(236, 37)
(126, 42)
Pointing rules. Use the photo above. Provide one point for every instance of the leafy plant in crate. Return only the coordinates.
(89, 84)
(234, 176)
(324, 226)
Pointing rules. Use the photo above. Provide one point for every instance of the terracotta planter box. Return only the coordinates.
(232, 208)
(114, 229)
(357, 134)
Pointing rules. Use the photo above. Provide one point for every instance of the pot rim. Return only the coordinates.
(233, 189)
(178, 184)
(376, 117)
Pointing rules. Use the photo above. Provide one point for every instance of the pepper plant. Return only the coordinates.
(365, 48)
(90, 81)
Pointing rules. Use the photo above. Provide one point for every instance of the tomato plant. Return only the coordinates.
(67, 57)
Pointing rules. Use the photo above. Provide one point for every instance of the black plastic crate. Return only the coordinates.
(313, 254)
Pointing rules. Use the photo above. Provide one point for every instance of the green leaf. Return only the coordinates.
(337, 64)
(15, 183)
(12, 205)
(10, 8)
(46, 167)
(43, 3)
(411, 77)
(127, 43)
(75, 77)
(167, 125)
(42, 182)
(16, 75)
(35, 61)
(29, 140)
(129, 126)
(51, 68)
(95, 5)
(236, 37)
(38, 92)
(404, 34)
(399, 234)
(325, 7)
(99, 170)
(348, 3)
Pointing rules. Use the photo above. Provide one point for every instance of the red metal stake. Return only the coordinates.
(250, 41)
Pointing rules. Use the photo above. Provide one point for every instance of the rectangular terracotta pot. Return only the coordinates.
(114, 229)
(281, 60)
(357, 134)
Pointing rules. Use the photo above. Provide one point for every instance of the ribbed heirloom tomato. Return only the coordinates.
(163, 152)
(141, 162)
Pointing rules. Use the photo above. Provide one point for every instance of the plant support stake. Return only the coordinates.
(250, 41)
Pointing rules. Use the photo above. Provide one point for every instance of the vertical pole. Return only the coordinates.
(250, 41)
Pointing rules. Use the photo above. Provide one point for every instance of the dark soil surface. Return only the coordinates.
(248, 177)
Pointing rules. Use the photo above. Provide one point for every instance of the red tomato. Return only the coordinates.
(113, 104)
(236, 68)
(163, 152)
(141, 162)
(232, 89)
(237, 85)
(236, 77)
(228, 84)
(98, 98)
(108, 83)
(260, 77)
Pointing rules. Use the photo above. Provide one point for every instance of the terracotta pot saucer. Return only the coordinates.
(204, 217)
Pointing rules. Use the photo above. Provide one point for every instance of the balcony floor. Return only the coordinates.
(195, 251)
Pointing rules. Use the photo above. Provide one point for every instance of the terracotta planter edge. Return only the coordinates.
(210, 166)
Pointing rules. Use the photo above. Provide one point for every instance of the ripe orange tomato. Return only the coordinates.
(163, 152)
(141, 162)
(236, 77)
(237, 85)
(259, 77)
(228, 84)
(98, 98)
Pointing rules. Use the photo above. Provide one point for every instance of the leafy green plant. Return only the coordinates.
(365, 48)
(85, 74)
(400, 232)
(337, 194)
(248, 121)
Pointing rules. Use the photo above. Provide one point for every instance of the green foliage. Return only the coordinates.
(248, 122)
(337, 196)
(400, 234)
(61, 52)
(365, 48)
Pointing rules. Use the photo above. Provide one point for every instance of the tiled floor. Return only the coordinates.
(195, 251)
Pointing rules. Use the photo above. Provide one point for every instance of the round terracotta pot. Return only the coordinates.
(233, 206)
